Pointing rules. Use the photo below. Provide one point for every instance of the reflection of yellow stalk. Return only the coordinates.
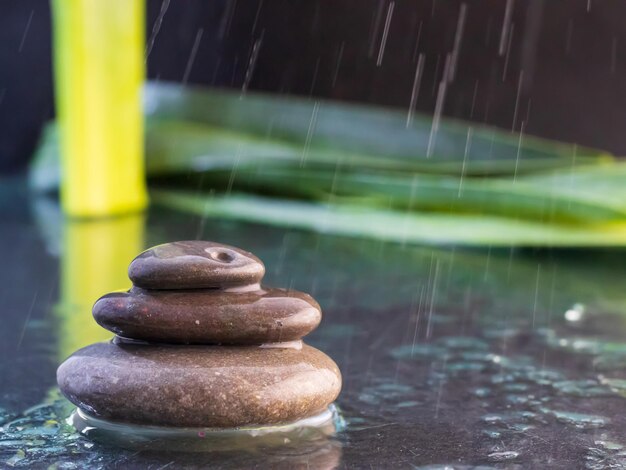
(99, 70)
(95, 258)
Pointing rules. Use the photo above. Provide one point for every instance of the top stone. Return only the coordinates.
(195, 264)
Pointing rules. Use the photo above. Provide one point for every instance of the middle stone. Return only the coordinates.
(209, 316)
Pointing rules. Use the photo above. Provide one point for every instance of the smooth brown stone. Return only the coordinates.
(199, 386)
(195, 264)
(209, 316)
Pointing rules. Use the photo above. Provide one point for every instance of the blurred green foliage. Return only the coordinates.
(367, 171)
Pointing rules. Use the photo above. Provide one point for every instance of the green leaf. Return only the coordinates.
(404, 227)
(461, 184)
(324, 132)
(587, 195)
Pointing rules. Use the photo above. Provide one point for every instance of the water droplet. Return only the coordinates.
(515, 387)
(575, 314)
(503, 456)
(465, 367)
(407, 404)
(609, 445)
(481, 392)
(463, 342)
(615, 385)
(517, 399)
(417, 351)
(581, 388)
(578, 420)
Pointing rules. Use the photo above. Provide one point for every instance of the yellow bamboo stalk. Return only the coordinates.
(98, 48)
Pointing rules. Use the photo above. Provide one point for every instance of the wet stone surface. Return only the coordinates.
(209, 316)
(195, 264)
(451, 358)
(190, 386)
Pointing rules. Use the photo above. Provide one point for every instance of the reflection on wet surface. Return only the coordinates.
(466, 358)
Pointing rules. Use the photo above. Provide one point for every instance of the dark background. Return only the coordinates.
(557, 67)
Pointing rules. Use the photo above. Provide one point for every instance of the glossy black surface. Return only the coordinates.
(493, 358)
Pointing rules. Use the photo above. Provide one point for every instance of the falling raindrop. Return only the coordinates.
(383, 41)
(156, 27)
(192, 55)
(26, 29)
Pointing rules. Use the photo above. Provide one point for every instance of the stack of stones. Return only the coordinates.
(199, 343)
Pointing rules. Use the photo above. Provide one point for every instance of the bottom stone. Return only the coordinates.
(199, 386)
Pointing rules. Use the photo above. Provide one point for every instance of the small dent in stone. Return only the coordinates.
(220, 255)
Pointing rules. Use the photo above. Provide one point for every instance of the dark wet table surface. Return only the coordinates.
(451, 357)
